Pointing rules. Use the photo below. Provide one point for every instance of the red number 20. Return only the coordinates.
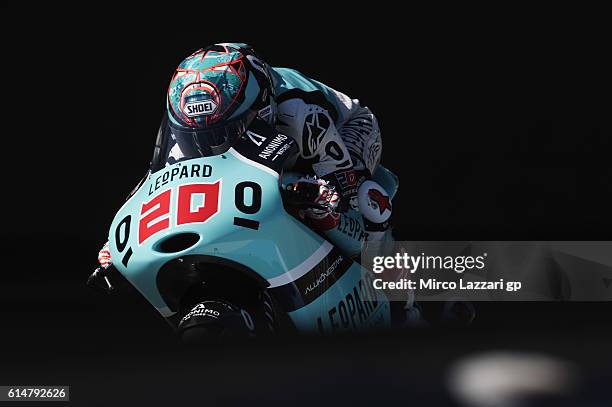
(196, 204)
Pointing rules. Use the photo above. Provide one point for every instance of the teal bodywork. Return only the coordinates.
(281, 243)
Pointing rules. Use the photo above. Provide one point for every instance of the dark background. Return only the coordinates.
(498, 128)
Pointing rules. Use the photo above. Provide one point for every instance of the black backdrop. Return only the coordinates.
(498, 130)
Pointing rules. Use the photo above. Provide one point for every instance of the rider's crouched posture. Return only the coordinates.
(224, 96)
(224, 99)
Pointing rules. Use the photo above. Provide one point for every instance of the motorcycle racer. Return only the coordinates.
(226, 94)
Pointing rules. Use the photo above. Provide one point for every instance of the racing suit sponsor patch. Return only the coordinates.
(315, 129)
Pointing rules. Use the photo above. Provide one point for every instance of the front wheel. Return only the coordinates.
(220, 320)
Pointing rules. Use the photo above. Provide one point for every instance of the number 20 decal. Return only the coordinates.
(196, 203)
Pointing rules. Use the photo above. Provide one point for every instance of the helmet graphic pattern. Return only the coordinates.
(215, 84)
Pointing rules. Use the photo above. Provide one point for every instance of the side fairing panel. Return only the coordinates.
(349, 304)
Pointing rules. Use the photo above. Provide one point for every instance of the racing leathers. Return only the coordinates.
(339, 142)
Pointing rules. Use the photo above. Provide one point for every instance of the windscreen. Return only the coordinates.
(179, 143)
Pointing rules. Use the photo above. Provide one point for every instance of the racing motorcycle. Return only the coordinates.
(215, 245)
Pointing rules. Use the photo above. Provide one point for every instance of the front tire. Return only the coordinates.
(218, 320)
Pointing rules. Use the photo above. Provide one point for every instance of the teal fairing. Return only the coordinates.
(280, 249)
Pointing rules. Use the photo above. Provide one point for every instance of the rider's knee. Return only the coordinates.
(375, 207)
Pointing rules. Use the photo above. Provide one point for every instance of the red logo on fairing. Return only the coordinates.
(382, 200)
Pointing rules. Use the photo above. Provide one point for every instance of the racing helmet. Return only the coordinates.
(215, 94)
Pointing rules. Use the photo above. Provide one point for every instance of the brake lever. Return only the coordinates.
(99, 280)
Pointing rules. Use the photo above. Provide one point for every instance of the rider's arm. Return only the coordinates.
(313, 128)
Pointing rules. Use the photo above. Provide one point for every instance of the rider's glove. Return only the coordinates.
(99, 279)
(320, 192)
(104, 256)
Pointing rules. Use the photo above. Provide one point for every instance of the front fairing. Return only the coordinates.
(234, 206)
(234, 232)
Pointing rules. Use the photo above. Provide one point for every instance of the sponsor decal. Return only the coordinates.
(282, 150)
(315, 129)
(347, 179)
(200, 310)
(349, 182)
(277, 145)
(351, 228)
(255, 138)
(314, 283)
(177, 172)
(200, 108)
(263, 144)
(265, 112)
(324, 275)
(374, 205)
(381, 200)
(353, 311)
